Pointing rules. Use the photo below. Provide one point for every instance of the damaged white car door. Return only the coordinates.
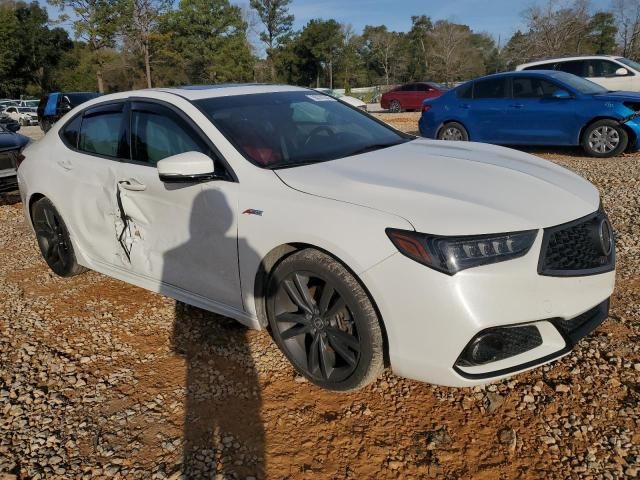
(95, 145)
(182, 236)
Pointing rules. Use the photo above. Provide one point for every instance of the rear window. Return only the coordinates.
(71, 132)
(492, 88)
(465, 91)
(100, 133)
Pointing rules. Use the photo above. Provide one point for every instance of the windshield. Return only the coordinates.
(288, 129)
(629, 63)
(580, 84)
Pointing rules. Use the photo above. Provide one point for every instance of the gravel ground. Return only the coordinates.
(100, 379)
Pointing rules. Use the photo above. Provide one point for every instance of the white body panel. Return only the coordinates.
(629, 82)
(203, 244)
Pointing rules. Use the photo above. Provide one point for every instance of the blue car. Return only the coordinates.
(536, 107)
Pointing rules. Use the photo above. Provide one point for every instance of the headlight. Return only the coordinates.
(452, 254)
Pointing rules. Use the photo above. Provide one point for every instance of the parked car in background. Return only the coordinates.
(9, 123)
(25, 116)
(536, 108)
(613, 73)
(357, 244)
(4, 103)
(11, 145)
(54, 105)
(410, 96)
(353, 101)
(33, 103)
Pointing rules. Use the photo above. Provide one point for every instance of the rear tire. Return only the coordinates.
(604, 139)
(395, 107)
(453, 131)
(324, 322)
(53, 239)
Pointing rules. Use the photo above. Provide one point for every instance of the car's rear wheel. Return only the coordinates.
(395, 107)
(324, 322)
(605, 138)
(453, 131)
(53, 239)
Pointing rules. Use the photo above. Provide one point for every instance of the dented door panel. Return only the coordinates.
(180, 235)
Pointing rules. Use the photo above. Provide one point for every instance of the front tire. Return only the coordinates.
(395, 107)
(605, 138)
(453, 131)
(324, 322)
(53, 239)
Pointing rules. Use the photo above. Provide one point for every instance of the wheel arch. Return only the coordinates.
(32, 200)
(272, 259)
(630, 132)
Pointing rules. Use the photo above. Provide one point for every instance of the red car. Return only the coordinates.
(410, 96)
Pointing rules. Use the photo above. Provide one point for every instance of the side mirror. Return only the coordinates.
(560, 94)
(622, 72)
(188, 167)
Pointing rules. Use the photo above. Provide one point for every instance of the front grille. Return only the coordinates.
(573, 324)
(7, 160)
(575, 328)
(577, 248)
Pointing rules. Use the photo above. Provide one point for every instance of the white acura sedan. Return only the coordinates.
(358, 246)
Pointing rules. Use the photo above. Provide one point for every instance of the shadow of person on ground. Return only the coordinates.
(223, 431)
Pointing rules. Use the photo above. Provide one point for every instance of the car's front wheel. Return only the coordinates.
(453, 131)
(53, 239)
(605, 138)
(324, 322)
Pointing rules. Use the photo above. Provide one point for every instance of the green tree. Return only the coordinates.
(418, 39)
(97, 23)
(207, 39)
(603, 31)
(141, 32)
(277, 21)
(383, 53)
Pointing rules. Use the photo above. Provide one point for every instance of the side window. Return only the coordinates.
(602, 68)
(543, 66)
(576, 67)
(420, 87)
(532, 87)
(71, 132)
(493, 88)
(157, 132)
(100, 132)
(465, 92)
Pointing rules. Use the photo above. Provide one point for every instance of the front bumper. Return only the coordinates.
(430, 317)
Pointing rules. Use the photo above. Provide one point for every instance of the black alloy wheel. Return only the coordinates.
(328, 331)
(53, 239)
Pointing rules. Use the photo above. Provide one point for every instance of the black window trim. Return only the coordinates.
(220, 161)
(109, 106)
(508, 91)
(125, 106)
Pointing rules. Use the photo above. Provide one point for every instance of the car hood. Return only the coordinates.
(619, 96)
(452, 188)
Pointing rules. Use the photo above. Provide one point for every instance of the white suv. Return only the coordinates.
(613, 73)
(352, 242)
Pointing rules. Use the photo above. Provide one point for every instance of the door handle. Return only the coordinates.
(133, 185)
(518, 105)
(64, 163)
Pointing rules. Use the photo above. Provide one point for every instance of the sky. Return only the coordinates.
(499, 18)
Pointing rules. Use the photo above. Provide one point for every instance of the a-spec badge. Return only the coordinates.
(251, 211)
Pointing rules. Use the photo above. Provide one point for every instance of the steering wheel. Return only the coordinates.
(317, 131)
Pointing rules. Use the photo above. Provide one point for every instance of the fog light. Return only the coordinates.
(496, 344)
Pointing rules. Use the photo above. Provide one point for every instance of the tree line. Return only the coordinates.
(112, 45)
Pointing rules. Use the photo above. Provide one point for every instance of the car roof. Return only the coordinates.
(567, 59)
(199, 92)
